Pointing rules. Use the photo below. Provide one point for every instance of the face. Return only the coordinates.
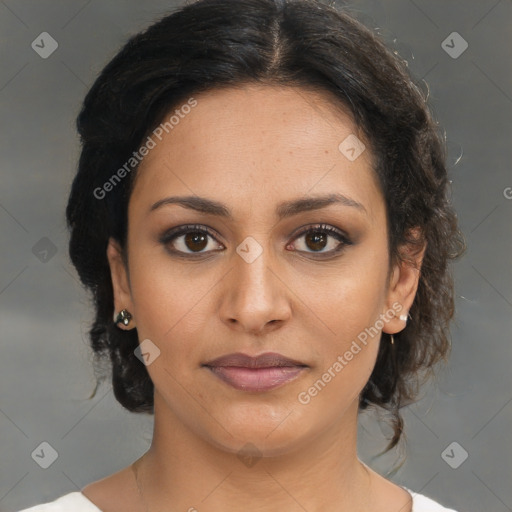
(280, 247)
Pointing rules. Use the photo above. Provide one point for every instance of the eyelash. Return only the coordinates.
(175, 233)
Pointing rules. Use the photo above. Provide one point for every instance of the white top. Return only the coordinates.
(77, 502)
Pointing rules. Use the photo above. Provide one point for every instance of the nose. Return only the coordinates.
(255, 299)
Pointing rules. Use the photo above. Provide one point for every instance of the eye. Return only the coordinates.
(195, 239)
(190, 239)
(320, 237)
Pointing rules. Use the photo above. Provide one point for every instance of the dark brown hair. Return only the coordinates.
(210, 44)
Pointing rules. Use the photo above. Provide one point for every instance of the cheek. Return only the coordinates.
(344, 299)
(348, 310)
(347, 354)
(170, 303)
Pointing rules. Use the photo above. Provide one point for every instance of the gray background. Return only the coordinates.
(45, 371)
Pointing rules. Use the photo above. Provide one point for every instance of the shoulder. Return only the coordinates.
(421, 503)
(74, 501)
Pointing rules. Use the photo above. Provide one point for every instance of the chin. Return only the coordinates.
(267, 430)
(258, 445)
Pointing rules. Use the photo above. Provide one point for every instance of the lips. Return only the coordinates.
(261, 373)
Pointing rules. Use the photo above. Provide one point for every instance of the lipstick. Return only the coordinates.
(261, 373)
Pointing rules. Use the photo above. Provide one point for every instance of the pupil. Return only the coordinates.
(194, 238)
(316, 238)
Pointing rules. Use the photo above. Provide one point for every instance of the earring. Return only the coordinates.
(124, 316)
(403, 318)
(392, 339)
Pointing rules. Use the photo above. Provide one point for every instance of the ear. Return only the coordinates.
(120, 281)
(403, 282)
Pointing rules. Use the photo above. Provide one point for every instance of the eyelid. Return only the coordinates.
(189, 227)
(332, 230)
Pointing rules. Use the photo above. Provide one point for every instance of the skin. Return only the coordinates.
(252, 148)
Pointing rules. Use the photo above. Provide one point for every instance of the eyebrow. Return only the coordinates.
(283, 210)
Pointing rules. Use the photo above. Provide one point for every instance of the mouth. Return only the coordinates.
(262, 373)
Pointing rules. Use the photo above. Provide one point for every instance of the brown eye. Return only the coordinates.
(196, 241)
(190, 240)
(320, 237)
(316, 241)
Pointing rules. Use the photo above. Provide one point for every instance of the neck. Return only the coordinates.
(184, 471)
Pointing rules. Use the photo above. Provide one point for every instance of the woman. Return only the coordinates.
(261, 215)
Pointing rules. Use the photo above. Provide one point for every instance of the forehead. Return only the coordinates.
(256, 144)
